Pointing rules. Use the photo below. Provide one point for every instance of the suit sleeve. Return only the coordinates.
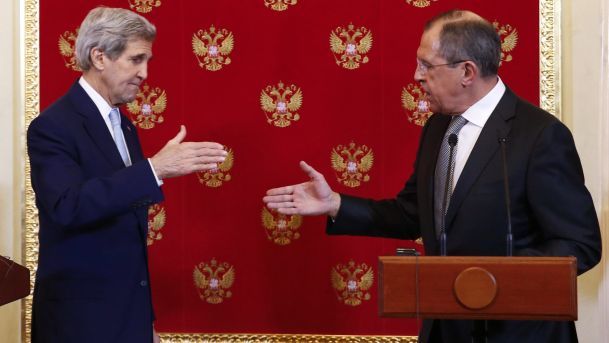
(73, 199)
(390, 218)
(561, 204)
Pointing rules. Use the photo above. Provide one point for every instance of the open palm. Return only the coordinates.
(314, 197)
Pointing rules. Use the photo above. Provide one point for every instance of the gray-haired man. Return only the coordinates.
(93, 188)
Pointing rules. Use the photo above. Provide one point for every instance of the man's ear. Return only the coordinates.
(470, 73)
(98, 59)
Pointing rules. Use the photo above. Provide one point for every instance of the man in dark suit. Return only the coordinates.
(93, 188)
(552, 211)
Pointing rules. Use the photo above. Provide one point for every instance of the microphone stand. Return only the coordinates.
(480, 332)
(506, 187)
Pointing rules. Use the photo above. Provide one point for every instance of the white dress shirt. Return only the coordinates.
(476, 116)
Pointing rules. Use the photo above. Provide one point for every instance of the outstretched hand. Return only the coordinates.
(179, 158)
(314, 197)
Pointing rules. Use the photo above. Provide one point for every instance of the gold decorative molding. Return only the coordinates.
(549, 88)
(549, 56)
(31, 108)
(270, 338)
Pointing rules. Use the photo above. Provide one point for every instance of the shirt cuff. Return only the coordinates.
(159, 182)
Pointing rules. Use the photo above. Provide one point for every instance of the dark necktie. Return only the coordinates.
(442, 167)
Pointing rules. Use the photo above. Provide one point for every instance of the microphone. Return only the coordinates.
(506, 187)
(452, 142)
(406, 252)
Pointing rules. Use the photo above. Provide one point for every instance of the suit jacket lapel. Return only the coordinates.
(498, 125)
(95, 125)
(133, 144)
(135, 152)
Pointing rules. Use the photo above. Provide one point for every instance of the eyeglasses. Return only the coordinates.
(423, 67)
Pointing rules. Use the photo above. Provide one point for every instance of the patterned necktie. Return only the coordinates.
(119, 138)
(440, 181)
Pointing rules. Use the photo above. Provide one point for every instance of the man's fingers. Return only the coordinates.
(290, 211)
(204, 155)
(280, 191)
(312, 173)
(180, 136)
(211, 152)
(203, 145)
(284, 207)
(278, 198)
(204, 166)
(278, 205)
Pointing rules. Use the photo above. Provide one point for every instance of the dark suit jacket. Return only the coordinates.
(92, 281)
(552, 211)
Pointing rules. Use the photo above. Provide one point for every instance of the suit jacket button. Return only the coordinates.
(143, 283)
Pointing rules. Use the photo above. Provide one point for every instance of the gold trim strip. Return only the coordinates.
(271, 338)
(549, 85)
(31, 110)
(549, 56)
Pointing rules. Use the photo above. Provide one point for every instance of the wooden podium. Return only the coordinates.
(14, 281)
(459, 287)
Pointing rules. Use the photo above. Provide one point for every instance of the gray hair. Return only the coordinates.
(109, 30)
(466, 36)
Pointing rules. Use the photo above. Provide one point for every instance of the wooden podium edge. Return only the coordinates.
(568, 287)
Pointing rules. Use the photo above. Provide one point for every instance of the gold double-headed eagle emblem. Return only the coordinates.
(217, 176)
(352, 282)
(414, 101)
(156, 221)
(66, 43)
(281, 229)
(212, 47)
(350, 46)
(280, 104)
(509, 40)
(144, 6)
(213, 280)
(279, 5)
(353, 163)
(148, 107)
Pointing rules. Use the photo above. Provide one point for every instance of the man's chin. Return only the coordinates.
(129, 98)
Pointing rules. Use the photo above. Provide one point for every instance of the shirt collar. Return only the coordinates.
(101, 104)
(479, 112)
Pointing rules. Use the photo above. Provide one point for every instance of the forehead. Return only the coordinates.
(430, 44)
(138, 46)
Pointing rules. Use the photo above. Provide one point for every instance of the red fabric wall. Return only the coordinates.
(279, 288)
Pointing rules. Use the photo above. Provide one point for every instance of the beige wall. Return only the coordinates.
(585, 111)
(585, 96)
(10, 168)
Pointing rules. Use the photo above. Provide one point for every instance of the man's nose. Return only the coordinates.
(418, 76)
(143, 71)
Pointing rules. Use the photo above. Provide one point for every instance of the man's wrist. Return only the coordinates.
(335, 206)
(159, 181)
